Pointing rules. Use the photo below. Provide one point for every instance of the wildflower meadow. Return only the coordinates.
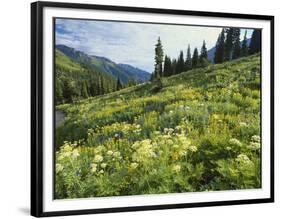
(196, 131)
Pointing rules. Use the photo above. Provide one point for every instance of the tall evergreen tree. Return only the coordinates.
(68, 90)
(236, 43)
(84, 92)
(195, 58)
(204, 52)
(98, 88)
(219, 53)
(59, 91)
(118, 84)
(203, 59)
(229, 44)
(159, 55)
(101, 86)
(188, 60)
(167, 67)
(180, 63)
(91, 87)
(244, 47)
(174, 66)
(255, 44)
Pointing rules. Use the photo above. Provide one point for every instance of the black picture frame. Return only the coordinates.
(37, 107)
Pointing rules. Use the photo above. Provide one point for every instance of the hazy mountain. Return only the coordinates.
(102, 64)
(138, 74)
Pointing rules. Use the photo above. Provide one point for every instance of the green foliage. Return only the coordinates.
(194, 131)
(236, 51)
(229, 43)
(204, 52)
(188, 60)
(255, 45)
(168, 69)
(203, 58)
(118, 84)
(195, 58)
(180, 63)
(244, 47)
(85, 90)
(75, 81)
(159, 54)
(220, 48)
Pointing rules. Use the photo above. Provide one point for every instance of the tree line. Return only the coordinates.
(74, 85)
(228, 47)
(165, 66)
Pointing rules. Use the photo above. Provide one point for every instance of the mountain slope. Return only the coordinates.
(198, 131)
(75, 80)
(138, 74)
(105, 65)
(235, 76)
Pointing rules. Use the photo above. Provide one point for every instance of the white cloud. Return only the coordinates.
(131, 43)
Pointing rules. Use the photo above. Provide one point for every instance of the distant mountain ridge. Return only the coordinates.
(124, 72)
(138, 74)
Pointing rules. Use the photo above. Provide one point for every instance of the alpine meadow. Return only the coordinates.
(151, 109)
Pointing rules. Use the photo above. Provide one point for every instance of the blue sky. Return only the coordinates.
(133, 43)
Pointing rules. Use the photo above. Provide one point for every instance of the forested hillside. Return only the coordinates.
(75, 81)
(126, 73)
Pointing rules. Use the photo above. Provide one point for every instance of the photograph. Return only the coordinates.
(146, 108)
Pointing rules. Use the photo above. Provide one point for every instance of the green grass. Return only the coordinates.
(198, 131)
(66, 63)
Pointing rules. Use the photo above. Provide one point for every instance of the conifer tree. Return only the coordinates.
(84, 92)
(180, 63)
(98, 88)
(244, 47)
(255, 44)
(203, 59)
(228, 44)
(188, 60)
(204, 52)
(195, 58)
(59, 92)
(68, 90)
(159, 54)
(174, 66)
(101, 86)
(219, 53)
(91, 87)
(167, 67)
(118, 84)
(236, 43)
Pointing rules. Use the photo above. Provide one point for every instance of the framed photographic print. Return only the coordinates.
(143, 108)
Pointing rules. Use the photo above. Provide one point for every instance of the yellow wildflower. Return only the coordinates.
(134, 165)
(75, 153)
(59, 168)
(98, 158)
(176, 168)
(94, 168)
(103, 165)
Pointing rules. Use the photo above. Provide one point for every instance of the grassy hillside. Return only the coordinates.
(64, 62)
(196, 131)
(76, 81)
